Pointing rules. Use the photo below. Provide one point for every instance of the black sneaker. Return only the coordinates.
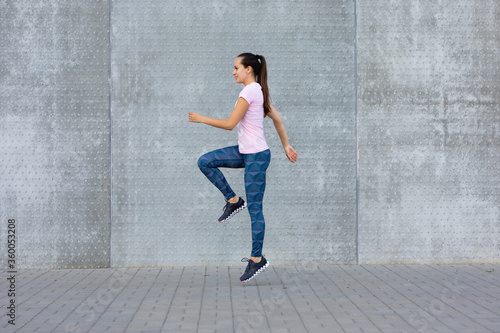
(231, 209)
(253, 269)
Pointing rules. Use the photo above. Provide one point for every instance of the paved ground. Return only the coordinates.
(336, 298)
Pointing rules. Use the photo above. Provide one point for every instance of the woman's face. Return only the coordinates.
(240, 72)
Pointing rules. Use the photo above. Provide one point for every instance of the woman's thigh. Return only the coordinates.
(228, 157)
(255, 174)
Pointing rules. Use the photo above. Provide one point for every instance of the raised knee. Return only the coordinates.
(202, 162)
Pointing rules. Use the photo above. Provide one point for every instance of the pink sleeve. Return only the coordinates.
(247, 94)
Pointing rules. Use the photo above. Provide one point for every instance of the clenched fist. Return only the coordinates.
(194, 117)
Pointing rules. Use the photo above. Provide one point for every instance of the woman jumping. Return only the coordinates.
(251, 153)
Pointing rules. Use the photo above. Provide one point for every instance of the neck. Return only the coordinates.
(249, 81)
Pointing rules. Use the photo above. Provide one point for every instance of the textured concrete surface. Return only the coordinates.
(335, 298)
(168, 60)
(54, 132)
(428, 125)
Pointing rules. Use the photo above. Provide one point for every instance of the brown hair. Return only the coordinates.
(260, 71)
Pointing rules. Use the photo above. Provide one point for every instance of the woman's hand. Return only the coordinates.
(291, 154)
(228, 124)
(195, 118)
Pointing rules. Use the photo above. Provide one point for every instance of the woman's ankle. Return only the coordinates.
(234, 200)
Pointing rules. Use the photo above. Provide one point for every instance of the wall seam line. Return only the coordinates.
(110, 92)
(356, 123)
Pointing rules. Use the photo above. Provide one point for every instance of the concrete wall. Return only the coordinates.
(54, 132)
(168, 60)
(429, 131)
(391, 105)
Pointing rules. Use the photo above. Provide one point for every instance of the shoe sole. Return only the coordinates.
(257, 273)
(235, 212)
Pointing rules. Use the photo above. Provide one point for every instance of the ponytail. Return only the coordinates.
(259, 66)
(262, 79)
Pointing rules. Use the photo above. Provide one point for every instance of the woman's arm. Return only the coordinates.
(228, 124)
(280, 128)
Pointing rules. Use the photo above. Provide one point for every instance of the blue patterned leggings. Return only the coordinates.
(255, 183)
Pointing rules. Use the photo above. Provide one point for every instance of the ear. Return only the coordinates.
(249, 69)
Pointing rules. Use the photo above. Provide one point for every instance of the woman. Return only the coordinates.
(251, 153)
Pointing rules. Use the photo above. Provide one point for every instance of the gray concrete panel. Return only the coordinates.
(429, 131)
(54, 132)
(169, 58)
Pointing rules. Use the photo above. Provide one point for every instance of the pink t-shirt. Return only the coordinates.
(251, 137)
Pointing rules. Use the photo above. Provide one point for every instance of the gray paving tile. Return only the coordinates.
(349, 298)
